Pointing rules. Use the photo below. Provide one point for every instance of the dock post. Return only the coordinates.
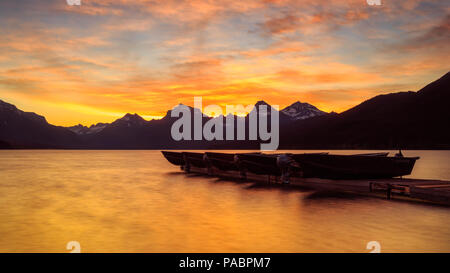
(284, 162)
(187, 166)
(208, 164)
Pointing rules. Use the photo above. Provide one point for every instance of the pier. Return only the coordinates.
(418, 190)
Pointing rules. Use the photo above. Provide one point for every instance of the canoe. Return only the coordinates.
(176, 158)
(353, 166)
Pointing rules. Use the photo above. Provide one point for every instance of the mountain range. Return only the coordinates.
(409, 120)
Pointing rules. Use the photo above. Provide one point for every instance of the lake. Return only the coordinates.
(135, 201)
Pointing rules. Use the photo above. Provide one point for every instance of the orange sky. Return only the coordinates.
(95, 62)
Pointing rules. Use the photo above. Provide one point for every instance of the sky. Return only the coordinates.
(100, 60)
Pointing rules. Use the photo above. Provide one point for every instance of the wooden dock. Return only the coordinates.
(433, 191)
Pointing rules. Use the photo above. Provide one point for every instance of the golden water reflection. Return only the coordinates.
(135, 201)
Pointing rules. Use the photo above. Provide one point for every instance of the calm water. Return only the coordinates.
(135, 201)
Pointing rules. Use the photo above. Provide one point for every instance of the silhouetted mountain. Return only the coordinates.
(129, 120)
(28, 130)
(299, 110)
(133, 132)
(405, 119)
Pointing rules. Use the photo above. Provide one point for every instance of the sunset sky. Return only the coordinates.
(95, 62)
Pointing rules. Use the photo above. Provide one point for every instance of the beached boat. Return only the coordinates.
(353, 166)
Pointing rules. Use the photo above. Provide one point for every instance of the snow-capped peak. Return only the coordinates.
(302, 110)
(84, 130)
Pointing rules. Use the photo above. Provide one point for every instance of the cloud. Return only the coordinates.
(438, 36)
(116, 56)
(286, 23)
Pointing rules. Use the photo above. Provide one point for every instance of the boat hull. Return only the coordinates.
(195, 159)
(174, 158)
(354, 166)
(259, 164)
(222, 161)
